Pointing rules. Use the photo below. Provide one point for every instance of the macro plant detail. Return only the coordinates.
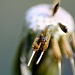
(48, 37)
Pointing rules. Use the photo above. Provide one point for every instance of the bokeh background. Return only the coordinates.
(11, 22)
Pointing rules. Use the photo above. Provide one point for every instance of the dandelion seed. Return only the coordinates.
(39, 58)
(31, 58)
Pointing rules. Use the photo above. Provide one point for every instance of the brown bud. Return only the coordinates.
(56, 49)
(73, 39)
(65, 46)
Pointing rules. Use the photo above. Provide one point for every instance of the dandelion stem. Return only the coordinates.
(72, 65)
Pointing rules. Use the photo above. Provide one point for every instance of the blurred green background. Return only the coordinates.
(11, 22)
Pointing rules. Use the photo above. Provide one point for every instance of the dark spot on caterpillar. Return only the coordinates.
(55, 8)
(63, 27)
